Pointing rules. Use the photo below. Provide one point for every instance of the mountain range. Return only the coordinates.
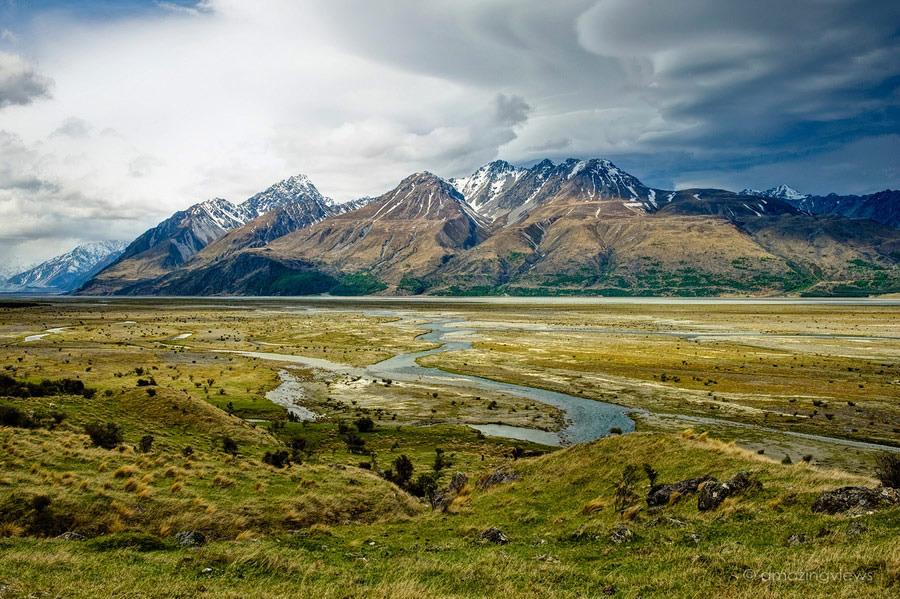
(67, 271)
(577, 227)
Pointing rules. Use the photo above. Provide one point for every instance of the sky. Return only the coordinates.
(116, 113)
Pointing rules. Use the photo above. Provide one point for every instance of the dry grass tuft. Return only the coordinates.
(121, 509)
(222, 482)
(245, 535)
(176, 487)
(11, 529)
(125, 471)
(631, 513)
(593, 506)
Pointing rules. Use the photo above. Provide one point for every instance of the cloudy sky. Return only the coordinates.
(115, 113)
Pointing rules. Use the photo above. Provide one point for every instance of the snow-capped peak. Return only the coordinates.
(487, 183)
(781, 192)
(297, 188)
(66, 271)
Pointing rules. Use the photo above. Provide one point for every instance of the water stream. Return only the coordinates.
(585, 419)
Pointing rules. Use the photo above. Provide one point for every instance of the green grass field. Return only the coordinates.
(329, 524)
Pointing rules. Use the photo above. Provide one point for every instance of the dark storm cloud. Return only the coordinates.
(715, 82)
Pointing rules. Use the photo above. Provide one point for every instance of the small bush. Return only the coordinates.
(354, 442)
(887, 469)
(229, 446)
(403, 470)
(279, 459)
(146, 443)
(624, 493)
(187, 451)
(439, 462)
(107, 436)
(365, 425)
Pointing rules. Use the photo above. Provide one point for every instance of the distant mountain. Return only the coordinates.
(882, 207)
(782, 192)
(351, 205)
(580, 227)
(67, 271)
(174, 241)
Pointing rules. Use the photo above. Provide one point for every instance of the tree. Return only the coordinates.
(403, 470)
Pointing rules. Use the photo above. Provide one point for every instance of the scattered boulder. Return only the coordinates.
(797, 539)
(693, 538)
(494, 535)
(662, 494)
(856, 528)
(71, 536)
(713, 493)
(499, 476)
(621, 534)
(189, 538)
(443, 499)
(855, 498)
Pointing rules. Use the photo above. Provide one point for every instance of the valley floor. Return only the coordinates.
(803, 395)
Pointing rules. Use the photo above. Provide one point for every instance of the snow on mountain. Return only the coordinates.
(294, 189)
(482, 188)
(782, 192)
(351, 205)
(67, 271)
(499, 189)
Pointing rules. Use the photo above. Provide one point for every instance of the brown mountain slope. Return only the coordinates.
(412, 229)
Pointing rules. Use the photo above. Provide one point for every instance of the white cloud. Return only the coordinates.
(20, 83)
(222, 98)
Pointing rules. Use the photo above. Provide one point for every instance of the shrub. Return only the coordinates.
(887, 469)
(402, 471)
(425, 485)
(188, 450)
(786, 460)
(624, 494)
(229, 446)
(354, 442)
(107, 436)
(364, 425)
(298, 443)
(146, 443)
(279, 459)
(652, 474)
(13, 416)
(439, 462)
(10, 387)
